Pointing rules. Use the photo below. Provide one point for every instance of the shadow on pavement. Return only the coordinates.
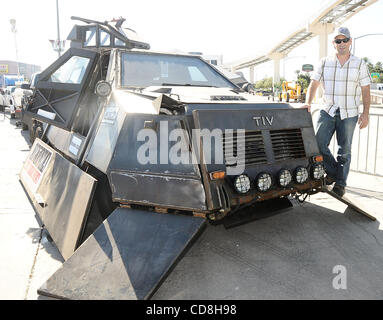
(46, 242)
(366, 193)
(5, 116)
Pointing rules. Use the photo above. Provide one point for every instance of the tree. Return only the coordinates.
(303, 79)
(278, 85)
(259, 84)
(370, 66)
(265, 83)
(378, 67)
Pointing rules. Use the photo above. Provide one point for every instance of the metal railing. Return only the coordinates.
(367, 154)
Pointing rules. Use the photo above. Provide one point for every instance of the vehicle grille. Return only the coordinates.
(287, 144)
(248, 150)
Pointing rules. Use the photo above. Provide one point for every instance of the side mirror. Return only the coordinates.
(248, 87)
(103, 88)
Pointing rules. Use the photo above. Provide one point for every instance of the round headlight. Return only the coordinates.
(318, 171)
(284, 177)
(103, 88)
(264, 182)
(301, 175)
(242, 183)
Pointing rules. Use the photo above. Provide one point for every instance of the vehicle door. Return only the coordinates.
(60, 87)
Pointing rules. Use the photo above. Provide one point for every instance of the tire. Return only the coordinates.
(13, 116)
(35, 132)
(24, 126)
(39, 132)
(287, 97)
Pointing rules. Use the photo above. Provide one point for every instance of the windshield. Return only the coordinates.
(144, 70)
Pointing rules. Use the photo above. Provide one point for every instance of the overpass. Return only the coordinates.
(322, 25)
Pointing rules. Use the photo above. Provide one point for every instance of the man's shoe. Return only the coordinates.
(329, 180)
(339, 190)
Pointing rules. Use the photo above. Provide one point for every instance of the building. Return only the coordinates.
(215, 60)
(26, 69)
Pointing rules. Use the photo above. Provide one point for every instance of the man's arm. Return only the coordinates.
(311, 90)
(363, 119)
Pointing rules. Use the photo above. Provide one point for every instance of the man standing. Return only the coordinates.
(344, 78)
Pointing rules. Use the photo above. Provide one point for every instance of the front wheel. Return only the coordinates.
(35, 132)
(287, 97)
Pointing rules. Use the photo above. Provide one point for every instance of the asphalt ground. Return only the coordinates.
(320, 249)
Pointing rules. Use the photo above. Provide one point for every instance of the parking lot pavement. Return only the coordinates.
(317, 250)
(27, 258)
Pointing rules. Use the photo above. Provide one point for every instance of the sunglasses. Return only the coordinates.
(338, 41)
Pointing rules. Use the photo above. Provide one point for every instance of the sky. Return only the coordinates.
(233, 29)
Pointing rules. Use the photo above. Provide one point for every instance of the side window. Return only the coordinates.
(72, 71)
(90, 37)
(118, 42)
(196, 74)
(104, 38)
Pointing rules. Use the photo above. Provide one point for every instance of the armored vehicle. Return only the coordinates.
(140, 149)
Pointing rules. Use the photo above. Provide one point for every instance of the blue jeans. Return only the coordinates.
(344, 129)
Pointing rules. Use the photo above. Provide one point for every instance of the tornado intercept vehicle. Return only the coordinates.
(141, 150)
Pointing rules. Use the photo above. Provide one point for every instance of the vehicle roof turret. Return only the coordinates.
(96, 34)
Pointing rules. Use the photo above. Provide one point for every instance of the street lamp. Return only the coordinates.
(58, 45)
(365, 35)
(13, 24)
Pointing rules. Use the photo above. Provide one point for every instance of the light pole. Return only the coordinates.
(58, 45)
(13, 24)
(365, 35)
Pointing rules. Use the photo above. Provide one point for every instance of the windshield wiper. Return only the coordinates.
(186, 85)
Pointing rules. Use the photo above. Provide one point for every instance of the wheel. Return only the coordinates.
(24, 126)
(287, 97)
(35, 132)
(13, 116)
(280, 97)
(39, 132)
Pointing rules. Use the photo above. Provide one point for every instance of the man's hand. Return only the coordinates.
(306, 106)
(310, 94)
(363, 120)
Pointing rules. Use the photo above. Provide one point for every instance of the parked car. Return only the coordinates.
(26, 121)
(2, 104)
(12, 100)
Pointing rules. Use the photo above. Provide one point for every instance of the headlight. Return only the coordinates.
(301, 175)
(242, 183)
(264, 182)
(318, 171)
(284, 177)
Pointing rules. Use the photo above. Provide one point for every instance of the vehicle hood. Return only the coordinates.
(188, 94)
